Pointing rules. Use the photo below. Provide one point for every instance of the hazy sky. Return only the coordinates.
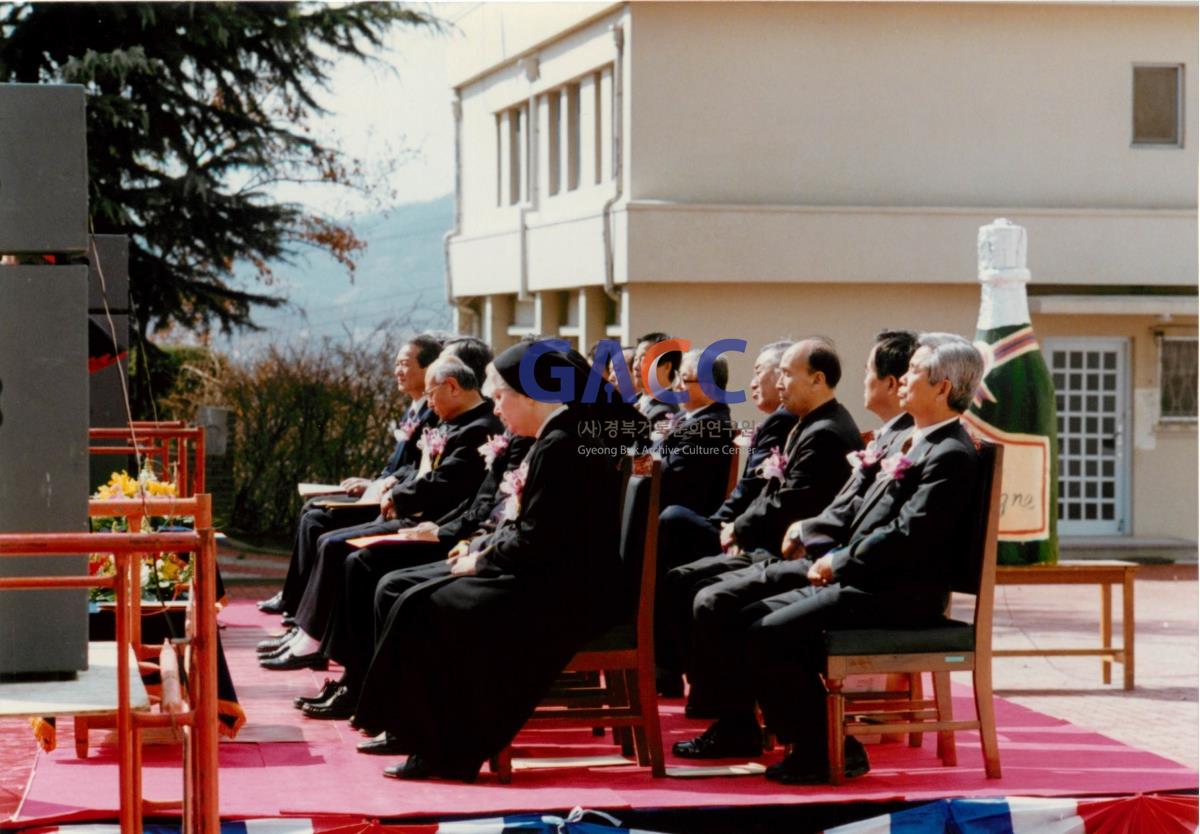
(398, 113)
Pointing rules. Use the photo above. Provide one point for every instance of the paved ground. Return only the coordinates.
(1161, 715)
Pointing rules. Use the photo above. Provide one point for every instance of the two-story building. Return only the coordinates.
(761, 170)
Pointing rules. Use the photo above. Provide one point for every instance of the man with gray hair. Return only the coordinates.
(449, 473)
(888, 566)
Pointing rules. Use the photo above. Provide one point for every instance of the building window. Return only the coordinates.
(512, 150)
(1158, 105)
(1177, 378)
(572, 137)
(553, 136)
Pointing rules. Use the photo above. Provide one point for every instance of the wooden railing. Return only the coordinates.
(177, 447)
(198, 719)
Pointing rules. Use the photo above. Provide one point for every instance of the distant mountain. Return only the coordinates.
(400, 275)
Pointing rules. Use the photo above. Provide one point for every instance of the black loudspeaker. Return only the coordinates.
(43, 461)
(43, 169)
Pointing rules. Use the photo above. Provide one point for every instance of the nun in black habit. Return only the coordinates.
(463, 660)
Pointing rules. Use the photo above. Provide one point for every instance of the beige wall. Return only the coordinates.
(905, 104)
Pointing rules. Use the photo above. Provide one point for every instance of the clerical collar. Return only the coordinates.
(919, 435)
(550, 417)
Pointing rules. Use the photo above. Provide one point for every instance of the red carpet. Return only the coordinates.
(283, 765)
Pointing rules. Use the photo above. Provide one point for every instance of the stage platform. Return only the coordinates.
(284, 765)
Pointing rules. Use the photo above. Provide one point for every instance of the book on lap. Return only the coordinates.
(314, 490)
(399, 537)
(370, 496)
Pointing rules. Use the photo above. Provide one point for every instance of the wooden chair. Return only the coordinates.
(177, 448)
(624, 655)
(949, 646)
(199, 508)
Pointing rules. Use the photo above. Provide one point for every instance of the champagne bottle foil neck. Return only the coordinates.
(1002, 304)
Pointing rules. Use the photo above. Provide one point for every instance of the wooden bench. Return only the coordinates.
(1102, 572)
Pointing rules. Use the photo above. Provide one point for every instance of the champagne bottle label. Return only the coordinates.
(1015, 406)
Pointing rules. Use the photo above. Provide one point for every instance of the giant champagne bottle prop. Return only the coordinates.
(1015, 404)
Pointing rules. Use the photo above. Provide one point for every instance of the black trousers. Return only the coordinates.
(323, 594)
(315, 522)
(675, 597)
(351, 634)
(683, 536)
(723, 610)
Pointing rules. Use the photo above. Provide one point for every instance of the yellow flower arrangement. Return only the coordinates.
(159, 573)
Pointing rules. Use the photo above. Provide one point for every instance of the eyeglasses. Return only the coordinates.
(428, 391)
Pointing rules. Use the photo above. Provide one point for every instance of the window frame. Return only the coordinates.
(1180, 99)
(1173, 420)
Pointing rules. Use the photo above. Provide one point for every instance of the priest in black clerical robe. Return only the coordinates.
(463, 660)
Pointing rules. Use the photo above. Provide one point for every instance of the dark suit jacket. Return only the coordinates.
(820, 532)
(474, 515)
(406, 457)
(696, 459)
(770, 434)
(655, 410)
(458, 473)
(907, 530)
(816, 469)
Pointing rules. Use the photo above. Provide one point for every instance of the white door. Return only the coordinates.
(1091, 383)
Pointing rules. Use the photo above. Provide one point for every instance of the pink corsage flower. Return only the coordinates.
(513, 485)
(773, 467)
(493, 448)
(407, 428)
(865, 459)
(433, 443)
(895, 466)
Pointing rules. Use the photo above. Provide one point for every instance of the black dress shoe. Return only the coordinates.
(384, 744)
(799, 768)
(288, 620)
(327, 689)
(274, 653)
(272, 644)
(289, 660)
(414, 767)
(721, 741)
(274, 605)
(340, 705)
(418, 767)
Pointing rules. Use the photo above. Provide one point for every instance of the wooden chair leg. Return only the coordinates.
(622, 736)
(985, 710)
(835, 729)
(501, 765)
(916, 692)
(947, 751)
(651, 732)
(638, 731)
(81, 736)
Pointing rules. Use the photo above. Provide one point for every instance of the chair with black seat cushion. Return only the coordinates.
(948, 646)
(624, 655)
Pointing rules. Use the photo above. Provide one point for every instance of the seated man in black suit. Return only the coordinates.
(697, 448)
(664, 373)
(413, 358)
(350, 636)
(450, 472)
(683, 533)
(515, 606)
(886, 364)
(887, 564)
(801, 479)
